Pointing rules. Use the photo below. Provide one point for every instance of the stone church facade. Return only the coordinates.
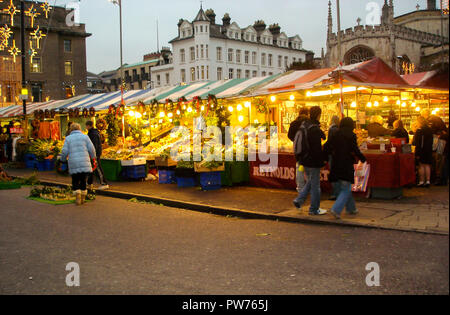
(411, 41)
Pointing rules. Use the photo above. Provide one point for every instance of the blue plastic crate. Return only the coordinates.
(40, 166)
(211, 180)
(32, 164)
(183, 182)
(135, 172)
(166, 177)
(29, 157)
(49, 165)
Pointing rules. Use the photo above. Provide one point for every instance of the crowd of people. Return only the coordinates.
(341, 151)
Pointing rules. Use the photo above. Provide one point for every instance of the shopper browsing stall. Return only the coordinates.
(343, 148)
(400, 131)
(79, 150)
(95, 137)
(293, 129)
(308, 151)
(376, 129)
(423, 140)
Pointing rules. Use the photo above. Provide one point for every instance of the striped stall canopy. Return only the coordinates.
(247, 85)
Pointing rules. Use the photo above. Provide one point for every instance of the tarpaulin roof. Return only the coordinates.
(428, 79)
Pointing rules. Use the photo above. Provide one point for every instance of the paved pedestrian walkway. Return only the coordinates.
(421, 210)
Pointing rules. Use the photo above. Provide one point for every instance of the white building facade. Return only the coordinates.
(206, 51)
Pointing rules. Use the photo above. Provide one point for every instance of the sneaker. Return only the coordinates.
(337, 216)
(420, 184)
(319, 212)
(296, 204)
(103, 187)
(427, 185)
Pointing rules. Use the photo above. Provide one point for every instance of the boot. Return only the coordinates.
(83, 196)
(77, 194)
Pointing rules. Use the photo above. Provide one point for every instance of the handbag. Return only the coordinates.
(362, 174)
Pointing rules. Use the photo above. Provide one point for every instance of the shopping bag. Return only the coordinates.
(362, 173)
(94, 164)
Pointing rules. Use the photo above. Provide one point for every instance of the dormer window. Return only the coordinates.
(184, 34)
(201, 28)
(236, 35)
(206, 29)
(230, 34)
(253, 38)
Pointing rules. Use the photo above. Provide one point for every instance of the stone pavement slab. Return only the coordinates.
(422, 210)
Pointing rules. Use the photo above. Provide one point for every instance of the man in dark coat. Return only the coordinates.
(95, 137)
(313, 161)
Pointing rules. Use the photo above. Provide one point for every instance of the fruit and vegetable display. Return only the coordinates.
(45, 149)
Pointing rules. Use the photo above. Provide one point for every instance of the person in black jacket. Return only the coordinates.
(343, 147)
(334, 127)
(293, 129)
(400, 131)
(313, 161)
(95, 137)
(423, 140)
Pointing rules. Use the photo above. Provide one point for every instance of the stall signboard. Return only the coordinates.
(17, 130)
(284, 176)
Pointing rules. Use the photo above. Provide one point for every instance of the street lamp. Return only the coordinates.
(119, 3)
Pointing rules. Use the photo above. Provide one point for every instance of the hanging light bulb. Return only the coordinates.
(385, 99)
(162, 115)
(178, 112)
(353, 105)
(202, 108)
(230, 108)
(241, 118)
(369, 104)
(292, 97)
(184, 107)
(131, 113)
(376, 104)
(170, 115)
(247, 104)
(403, 104)
(398, 102)
(273, 98)
(189, 109)
(138, 115)
(417, 109)
(239, 107)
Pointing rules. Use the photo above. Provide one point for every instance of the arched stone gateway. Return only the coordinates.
(358, 54)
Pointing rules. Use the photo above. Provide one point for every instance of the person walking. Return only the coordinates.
(293, 129)
(400, 131)
(343, 148)
(312, 158)
(423, 141)
(334, 127)
(94, 135)
(79, 150)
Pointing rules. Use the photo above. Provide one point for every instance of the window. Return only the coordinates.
(236, 35)
(196, 29)
(219, 73)
(238, 56)
(182, 55)
(207, 51)
(286, 61)
(192, 74)
(230, 73)
(67, 45)
(68, 69)
(230, 55)
(280, 61)
(230, 34)
(206, 29)
(247, 57)
(253, 38)
(263, 73)
(254, 57)
(197, 55)
(207, 72)
(201, 28)
(255, 74)
(158, 79)
(219, 53)
(247, 74)
(270, 73)
(167, 78)
(203, 72)
(183, 34)
(36, 65)
(183, 75)
(270, 60)
(201, 50)
(238, 73)
(263, 59)
(198, 73)
(192, 53)
(247, 37)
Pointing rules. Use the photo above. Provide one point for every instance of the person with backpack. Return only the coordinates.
(343, 147)
(293, 128)
(308, 152)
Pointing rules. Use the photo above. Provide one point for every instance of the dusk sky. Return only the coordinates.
(308, 18)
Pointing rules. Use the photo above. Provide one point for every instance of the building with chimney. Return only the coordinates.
(205, 51)
(416, 41)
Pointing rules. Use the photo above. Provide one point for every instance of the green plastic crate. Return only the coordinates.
(9, 185)
(111, 169)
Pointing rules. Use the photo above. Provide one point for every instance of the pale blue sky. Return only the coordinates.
(308, 18)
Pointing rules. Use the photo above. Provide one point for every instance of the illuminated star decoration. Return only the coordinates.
(37, 34)
(46, 8)
(5, 34)
(32, 52)
(14, 51)
(11, 10)
(32, 13)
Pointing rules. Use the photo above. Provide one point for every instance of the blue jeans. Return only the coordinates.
(312, 186)
(299, 178)
(344, 197)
